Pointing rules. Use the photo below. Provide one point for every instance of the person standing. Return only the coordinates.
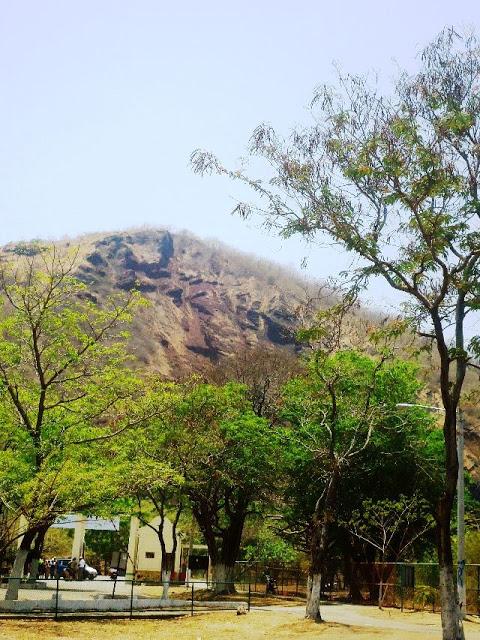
(53, 563)
(41, 568)
(81, 569)
(73, 569)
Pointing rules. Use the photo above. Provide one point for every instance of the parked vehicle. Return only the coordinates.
(90, 572)
(64, 571)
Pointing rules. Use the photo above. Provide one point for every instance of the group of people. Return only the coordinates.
(75, 570)
(53, 568)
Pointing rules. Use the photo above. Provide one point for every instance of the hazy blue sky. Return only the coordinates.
(102, 102)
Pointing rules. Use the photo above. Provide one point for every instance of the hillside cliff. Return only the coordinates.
(206, 300)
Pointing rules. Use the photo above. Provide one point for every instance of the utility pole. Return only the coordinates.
(461, 584)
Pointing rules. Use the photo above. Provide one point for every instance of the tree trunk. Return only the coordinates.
(223, 544)
(380, 594)
(33, 573)
(18, 566)
(452, 627)
(318, 545)
(314, 590)
(355, 593)
(37, 553)
(223, 576)
(16, 575)
(451, 623)
(164, 572)
(317, 555)
(165, 583)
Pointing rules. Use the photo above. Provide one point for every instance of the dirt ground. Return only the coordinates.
(278, 623)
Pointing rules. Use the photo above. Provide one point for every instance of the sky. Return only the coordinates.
(103, 101)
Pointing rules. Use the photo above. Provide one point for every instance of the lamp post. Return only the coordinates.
(461, 585)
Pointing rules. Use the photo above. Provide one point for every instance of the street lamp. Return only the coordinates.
(461, 585)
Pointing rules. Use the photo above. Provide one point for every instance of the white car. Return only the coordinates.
(90, 572)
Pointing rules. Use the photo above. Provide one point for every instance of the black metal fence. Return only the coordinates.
(403, 585)
(103, 597)
(287, 581)
(412, 586)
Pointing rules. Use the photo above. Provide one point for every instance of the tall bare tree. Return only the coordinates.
(394, 180)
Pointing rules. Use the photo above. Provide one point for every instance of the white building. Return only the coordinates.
(144, 550)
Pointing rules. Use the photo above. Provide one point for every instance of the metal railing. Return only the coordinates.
(58, 598)
(404, 585)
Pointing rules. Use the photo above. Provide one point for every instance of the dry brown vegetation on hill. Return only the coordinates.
(206, 300)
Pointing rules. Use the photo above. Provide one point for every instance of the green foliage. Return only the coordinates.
(65, 389)
(58, 543)
(425, 596)
(343, 418)
(28, 249)
(208, 445)
(99, 545)
(268, 547)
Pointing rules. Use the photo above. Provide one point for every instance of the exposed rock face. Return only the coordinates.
(206, 300)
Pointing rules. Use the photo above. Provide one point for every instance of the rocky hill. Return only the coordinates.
(206, 299)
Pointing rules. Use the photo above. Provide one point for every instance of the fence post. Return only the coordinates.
(296, 582)
(402, 574)
(478, 588)
(249, 594)
(131, 598)
(193, 587)
(56, 599)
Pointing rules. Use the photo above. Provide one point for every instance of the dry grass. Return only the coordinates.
(205, 595)
(203, 627)
(257, 625)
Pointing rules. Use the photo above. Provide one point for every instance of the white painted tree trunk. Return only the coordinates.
(314, 588)
(452, 628)
(166, 584)
(16, 575)
(33, 575)
(222, 576)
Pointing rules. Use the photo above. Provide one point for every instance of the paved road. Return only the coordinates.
(361, 616)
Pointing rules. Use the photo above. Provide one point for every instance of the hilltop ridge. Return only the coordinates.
(207, 300)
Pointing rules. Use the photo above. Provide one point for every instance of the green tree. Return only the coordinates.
(335, 413)
(266, 545)
(227, 457)
(395, 180)
(65, 390)
(156, 489)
